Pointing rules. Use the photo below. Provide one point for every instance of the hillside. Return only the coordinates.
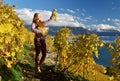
(107, 33)
(74, 30)
(81, 30)
(51, 75)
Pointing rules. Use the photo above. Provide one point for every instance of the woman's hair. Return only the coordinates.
(38, 23)
(34, 17)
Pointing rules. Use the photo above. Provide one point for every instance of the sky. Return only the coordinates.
(90, 14)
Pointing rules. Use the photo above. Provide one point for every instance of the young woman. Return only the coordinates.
(39, 39)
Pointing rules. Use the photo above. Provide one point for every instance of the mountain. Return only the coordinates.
(74, 30)
(107, 32)
(81, 30)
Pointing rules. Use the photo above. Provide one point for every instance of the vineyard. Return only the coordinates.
(69, 57)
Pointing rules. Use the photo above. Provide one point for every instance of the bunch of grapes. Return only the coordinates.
(54, 14)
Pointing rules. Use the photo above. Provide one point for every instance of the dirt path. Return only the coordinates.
(47, 75)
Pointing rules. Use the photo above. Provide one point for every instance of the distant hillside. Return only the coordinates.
(106, 32)
(74, 30)
(81, 30)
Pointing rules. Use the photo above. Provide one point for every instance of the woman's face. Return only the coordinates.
(38, 17)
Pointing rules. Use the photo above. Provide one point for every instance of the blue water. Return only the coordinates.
(104, 55)
(108, 39)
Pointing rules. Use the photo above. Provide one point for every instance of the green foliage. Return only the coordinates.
(11, 42)
(81, 51)
(49, 43)
(16, 73)
(12, 74)
(61, 37)
(76, 54)
(112, 71)
(13, 35)
(61, 45)
(114, 50)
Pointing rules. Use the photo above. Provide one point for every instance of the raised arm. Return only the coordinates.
(48, 21)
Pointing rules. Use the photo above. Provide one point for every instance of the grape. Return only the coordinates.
(54, 12)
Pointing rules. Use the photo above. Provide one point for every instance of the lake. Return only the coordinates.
(104, 55)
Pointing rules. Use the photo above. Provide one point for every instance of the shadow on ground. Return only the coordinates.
(47, 75)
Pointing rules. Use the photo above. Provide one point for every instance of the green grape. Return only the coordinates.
(54, 14)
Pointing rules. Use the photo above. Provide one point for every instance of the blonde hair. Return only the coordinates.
(38, 23)
(34, 17)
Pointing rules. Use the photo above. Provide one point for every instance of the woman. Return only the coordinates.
(39, 39)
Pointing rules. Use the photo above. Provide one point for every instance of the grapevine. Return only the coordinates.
(77, 53)
(61, 44)
(115, 52)
(81, 52)
(12, 35)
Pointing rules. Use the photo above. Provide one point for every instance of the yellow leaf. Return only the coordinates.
(5, 28)
(1, 40)
(110, 46)
(8, 64)
(111, 78)
(17, 49)
(102, 44)
(7, 54)
(96, 54)
(13, 54)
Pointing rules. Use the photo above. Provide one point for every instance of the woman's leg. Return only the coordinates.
(37, 50)
(43, 49)
(37, 57)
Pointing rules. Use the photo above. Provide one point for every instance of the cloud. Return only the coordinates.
(68, 10)
(105, 26)
(67, 20)
(78, 9)
(85, 19)
(83, 10)
(61, 9)
(88, 18)
(108, 19)
(71, 11)
(83, 14)
(100, 27)
(63, 19)
(25, 14)
(116, 22)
